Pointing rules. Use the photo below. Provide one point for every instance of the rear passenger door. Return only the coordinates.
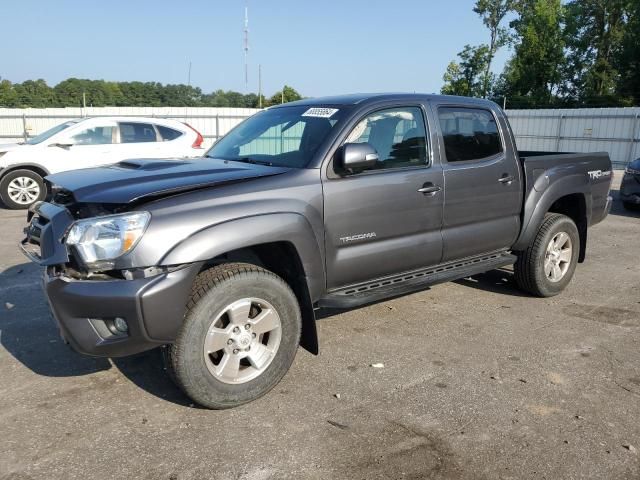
(139, 140)
(482, 198)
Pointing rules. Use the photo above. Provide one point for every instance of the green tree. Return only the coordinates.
(492, 13)
(34, 93)
(8, 96)
(535, 70)
(595, 30)
(628, 59)
(468, 76)
(288, 94)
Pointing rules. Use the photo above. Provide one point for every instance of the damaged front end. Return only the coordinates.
(100, 309)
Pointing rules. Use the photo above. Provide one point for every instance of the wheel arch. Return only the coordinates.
(283, 243)
(569, 196)
(39, 169)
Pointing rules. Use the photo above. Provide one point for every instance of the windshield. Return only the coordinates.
(50, 133)
(283, 137)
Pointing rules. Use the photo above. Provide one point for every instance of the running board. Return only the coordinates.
(403, 284)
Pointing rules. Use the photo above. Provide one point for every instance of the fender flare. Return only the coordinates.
(293, 228)
(538, 203)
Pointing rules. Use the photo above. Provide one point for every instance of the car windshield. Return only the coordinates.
(50, 133)
(283, 137)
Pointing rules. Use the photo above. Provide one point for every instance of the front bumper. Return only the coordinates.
(153, 308)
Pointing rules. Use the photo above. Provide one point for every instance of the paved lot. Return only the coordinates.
(479, 381)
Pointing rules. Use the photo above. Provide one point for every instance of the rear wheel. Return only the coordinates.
(239, 337)
(21, 188)
(546, 267)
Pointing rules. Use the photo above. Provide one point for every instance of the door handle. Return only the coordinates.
(429, 190)
(506, 179)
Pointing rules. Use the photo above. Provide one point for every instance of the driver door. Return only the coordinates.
(377, 221)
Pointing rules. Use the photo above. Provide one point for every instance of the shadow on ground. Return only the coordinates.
(30, 335)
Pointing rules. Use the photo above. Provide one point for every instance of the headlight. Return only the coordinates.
(102, 239)
(631, 171)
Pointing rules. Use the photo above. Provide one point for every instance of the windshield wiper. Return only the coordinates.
(253, 160)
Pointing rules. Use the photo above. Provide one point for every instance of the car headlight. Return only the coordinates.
(631, 171)
(101, 240)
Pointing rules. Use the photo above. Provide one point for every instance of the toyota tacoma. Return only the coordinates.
(322, 203)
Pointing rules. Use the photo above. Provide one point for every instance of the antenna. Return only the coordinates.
(246, 48)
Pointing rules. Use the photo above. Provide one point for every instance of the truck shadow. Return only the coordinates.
(30, 335)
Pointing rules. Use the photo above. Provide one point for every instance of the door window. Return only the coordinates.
(137, 133)
(167, 133)
(469, 133)
(94, 136)
(397, 134)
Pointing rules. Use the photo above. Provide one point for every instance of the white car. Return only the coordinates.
(85, 143)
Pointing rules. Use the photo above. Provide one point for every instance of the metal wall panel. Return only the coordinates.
(612, 130)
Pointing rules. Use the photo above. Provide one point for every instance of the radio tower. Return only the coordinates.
(246, 49)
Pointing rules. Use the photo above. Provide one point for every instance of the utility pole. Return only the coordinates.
(189, 75)
(246, 49)
(282, 95)
(84, 104)
(259, 85)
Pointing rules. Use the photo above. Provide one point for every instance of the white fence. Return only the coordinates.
(613, 130)
(16, 124)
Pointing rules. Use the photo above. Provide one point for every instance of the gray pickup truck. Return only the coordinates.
(330, 202)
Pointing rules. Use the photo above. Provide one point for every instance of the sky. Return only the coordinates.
(318, 47)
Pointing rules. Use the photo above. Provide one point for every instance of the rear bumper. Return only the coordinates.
(153, 309)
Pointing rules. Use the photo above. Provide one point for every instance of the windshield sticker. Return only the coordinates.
(320, 112)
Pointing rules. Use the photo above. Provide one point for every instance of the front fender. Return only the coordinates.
(540, 199)
(245, 232)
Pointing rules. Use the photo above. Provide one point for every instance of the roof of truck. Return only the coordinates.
(359, 98)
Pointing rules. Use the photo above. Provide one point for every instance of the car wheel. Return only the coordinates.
(546, 267)
(20, 188)
(239, 337)
(632, 207)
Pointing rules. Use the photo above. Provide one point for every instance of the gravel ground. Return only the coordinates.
(479, 381)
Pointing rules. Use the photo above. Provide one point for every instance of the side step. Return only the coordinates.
(405, 283)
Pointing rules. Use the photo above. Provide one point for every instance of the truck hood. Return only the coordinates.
(132, 180)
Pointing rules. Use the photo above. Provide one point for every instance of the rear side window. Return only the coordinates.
(137, 133)
(167, 133)
(469, 133)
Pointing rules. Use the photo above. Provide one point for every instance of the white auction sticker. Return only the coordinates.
(320, 112)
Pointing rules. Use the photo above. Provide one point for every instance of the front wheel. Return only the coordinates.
(546, 267)
(21, 188)
(239, 337)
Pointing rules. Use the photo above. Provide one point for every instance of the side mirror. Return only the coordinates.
(355, 157)
(66, 146)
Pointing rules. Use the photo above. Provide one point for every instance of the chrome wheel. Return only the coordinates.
(23, 190)
(558, 257)
(242, 340)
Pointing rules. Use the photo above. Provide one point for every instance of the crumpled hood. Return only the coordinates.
(133, 180)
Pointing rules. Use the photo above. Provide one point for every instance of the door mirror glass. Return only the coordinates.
(356, 157)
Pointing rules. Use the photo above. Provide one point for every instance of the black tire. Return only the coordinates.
(529, 268)
(4, 188)
(632, 207)
(213, 290)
